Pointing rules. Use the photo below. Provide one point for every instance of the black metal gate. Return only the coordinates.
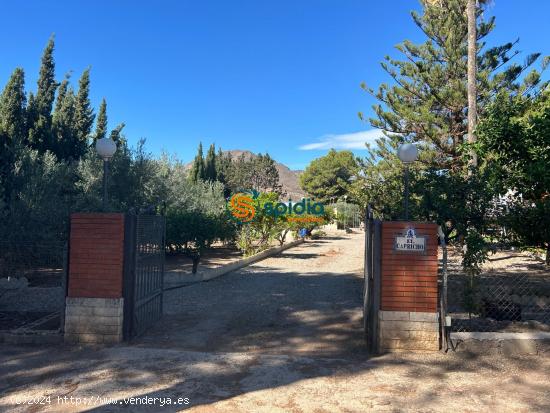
(371, 290)
(143, 272)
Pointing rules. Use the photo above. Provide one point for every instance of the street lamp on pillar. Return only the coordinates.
(408, 153)
(105, 148)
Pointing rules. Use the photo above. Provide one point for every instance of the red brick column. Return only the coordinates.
(409, 279)
(94, 305)
(408, 318)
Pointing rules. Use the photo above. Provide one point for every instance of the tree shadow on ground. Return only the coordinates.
(262, 329)
(404, 382)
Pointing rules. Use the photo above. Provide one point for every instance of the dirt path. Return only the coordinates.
(281, 336)
(305, 301)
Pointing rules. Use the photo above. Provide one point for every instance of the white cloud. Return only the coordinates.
(354, 140)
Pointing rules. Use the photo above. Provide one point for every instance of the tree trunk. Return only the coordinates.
(472, 69)
(196, 259)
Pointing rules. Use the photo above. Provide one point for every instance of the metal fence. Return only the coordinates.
(372, 280)
(500, 301)
(348, 215)
(144, 272)
(32, 284)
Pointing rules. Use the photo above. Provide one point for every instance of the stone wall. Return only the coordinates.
(93, 320)
(408, 330)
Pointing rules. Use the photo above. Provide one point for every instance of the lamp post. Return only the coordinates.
(408, 153)
(105, 148)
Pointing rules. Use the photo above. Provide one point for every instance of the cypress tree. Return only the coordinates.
(12, 109)
(61, 93)
(47, 85)
(63, 120)
(12, 128)
(210, 173)
(40, 115)
(101, 124)
(84, 114)
(197, 170)
(30, 118)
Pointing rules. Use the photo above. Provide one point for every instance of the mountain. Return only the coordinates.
(288, 178)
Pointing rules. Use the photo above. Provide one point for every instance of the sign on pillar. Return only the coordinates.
(408, 318)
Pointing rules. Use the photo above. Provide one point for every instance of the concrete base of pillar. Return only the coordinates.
(408, 331)
(93, 320)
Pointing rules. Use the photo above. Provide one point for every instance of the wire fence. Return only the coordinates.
(348, 215)
(32, 284)
(514, 299)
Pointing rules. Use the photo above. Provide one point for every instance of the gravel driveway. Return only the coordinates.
(305, 301)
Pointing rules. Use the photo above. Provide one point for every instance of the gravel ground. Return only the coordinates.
(280, 336)
(306, 301)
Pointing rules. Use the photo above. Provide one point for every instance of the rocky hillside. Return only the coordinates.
(287, 177)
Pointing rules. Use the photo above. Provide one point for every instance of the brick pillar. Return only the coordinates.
(94, 303)
(408, 319)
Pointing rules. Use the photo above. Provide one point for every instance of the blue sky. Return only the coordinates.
(277, 76)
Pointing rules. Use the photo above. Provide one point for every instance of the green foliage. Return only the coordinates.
(12, 128)
(327, 177)
(266, 227)
(197, 169)
(195, 216)
(514, 140)
(134, 181)
(101, 123)
(427, 102)
(258, 234)
(39, 114)
(344, 213)
(48, 168)
(83, 118)
(264, 175)
(38, 203)
(64, 120)
(210, 164)
(256, 172)
(12, 110)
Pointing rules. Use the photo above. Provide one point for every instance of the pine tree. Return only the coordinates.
(264, 175)
(428, 101)
(210, 173)
(39, 118)
(84, 115)
(101, 123)
(197, 170)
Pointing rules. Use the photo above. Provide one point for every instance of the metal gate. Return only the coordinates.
(371, 290)
(144, 272)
